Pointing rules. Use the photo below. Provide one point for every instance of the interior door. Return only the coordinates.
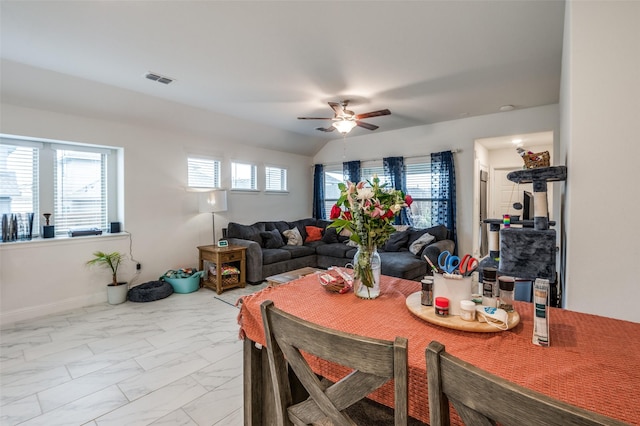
(505, 193)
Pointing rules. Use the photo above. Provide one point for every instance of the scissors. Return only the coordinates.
(448, 262)
(468, 264)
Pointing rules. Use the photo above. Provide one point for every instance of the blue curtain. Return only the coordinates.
(394, 171)
(351, 171)
(318, 192)
(443, 192)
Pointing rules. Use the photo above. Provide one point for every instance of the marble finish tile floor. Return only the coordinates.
(176, 361)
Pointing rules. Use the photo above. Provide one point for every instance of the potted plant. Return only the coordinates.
(116, 290)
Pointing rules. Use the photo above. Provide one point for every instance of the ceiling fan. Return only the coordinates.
(345, 120)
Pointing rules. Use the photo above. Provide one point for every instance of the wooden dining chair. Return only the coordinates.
(374, 362)
(481, 398)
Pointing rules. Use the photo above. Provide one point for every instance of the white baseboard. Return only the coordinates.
(51, 308)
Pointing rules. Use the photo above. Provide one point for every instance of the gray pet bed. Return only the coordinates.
(148, 292)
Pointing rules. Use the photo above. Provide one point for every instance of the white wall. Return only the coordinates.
(38, 278)
(600, 109)
(450, 135)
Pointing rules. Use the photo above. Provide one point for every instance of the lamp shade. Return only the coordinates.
(344, 126)
(213, 202)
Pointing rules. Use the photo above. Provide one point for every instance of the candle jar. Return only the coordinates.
(467, 310)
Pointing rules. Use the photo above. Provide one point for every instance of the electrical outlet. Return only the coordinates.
(138, 266)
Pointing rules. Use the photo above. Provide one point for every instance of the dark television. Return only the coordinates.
(527, 206)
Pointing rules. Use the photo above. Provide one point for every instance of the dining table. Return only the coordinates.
(592, 362)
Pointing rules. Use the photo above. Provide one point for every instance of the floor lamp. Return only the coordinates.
(213, 202)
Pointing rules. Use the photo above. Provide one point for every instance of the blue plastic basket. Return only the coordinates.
(185, 285)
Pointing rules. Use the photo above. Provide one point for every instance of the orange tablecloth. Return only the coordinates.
(593, 362)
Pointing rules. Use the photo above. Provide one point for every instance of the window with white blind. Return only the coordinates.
(19, 179)
(75, 183)
(275, 179)
(203, 173)
(244, 176)
(370, 168)
(80, 189)
(332, 177)
(418, 179)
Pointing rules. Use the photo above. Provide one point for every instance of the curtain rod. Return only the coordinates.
(453, 151)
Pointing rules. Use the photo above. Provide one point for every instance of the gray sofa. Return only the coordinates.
(268, 253)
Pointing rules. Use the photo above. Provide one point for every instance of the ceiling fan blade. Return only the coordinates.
(328, 129)
(373, 114)
(337, 108)
(315, 118)
(366, 125)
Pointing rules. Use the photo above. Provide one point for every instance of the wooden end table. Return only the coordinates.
(219, 256)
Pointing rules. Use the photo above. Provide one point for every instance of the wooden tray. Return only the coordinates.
(428, 314)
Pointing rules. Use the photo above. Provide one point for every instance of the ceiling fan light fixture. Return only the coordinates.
(344, 126)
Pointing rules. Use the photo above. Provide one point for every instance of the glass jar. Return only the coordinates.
(506, 297)
(427, 291)
(467, 310)
(442, 306)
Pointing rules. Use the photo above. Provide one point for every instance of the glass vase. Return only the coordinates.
(366, 266)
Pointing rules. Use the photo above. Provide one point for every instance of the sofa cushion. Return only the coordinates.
(314, 244)
(396, 241)
(333, 249)
(270, 256)
(280, 225)
(351, 253)
(302, 224)
(293, 237)
(323, 223)
(441, 232)
(246, 232)
(402, 264)
(272, 239)
(330, 236)
(299, 251)
(414, 234)
(417, 246)
(314, 233)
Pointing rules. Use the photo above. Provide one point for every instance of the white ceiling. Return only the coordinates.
(269, 62)
(512, 141)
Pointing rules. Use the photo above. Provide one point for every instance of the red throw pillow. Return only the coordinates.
(313, 233)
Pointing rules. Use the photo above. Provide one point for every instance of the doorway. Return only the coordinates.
(494, 194)
(484, 212)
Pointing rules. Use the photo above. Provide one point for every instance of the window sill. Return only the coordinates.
(61, 240)
(255, 191)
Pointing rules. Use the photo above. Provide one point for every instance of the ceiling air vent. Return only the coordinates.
(159, 78)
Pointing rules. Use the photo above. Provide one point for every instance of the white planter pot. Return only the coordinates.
(117, 294)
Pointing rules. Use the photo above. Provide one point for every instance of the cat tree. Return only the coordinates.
(531, 252)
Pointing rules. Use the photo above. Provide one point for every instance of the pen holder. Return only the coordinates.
(453, 289)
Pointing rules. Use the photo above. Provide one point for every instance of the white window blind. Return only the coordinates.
(418, 179)
(19, 180)
(203, 173)
(275, 178)
(370, 168)
(332, 177)
(80, 190)
(243, 176)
